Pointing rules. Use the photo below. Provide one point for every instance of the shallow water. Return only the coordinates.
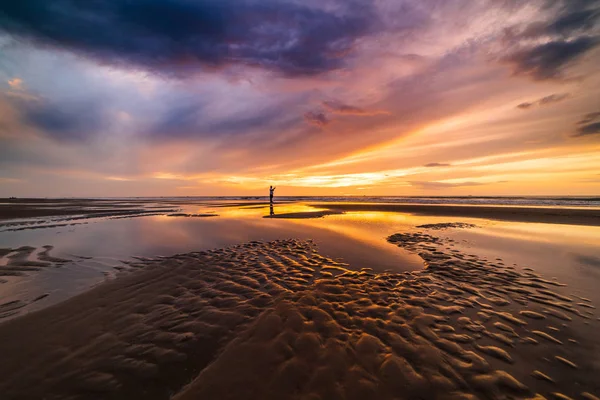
(97, 245)
(567, 253)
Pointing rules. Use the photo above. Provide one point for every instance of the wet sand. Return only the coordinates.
(78, 208)
(570, 216)
(81, 208)
(277, 320)
(304, 214)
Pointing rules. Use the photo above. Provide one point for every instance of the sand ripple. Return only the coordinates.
(277, 320)
(20, 261)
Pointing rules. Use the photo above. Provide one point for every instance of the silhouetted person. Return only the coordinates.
(271, 192)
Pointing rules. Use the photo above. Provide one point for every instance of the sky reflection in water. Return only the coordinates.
(358, 238)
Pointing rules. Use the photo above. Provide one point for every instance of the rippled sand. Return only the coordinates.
(279, 321)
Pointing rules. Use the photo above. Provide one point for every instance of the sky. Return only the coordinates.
(316, 97)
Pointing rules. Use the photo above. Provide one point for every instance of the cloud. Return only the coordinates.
(574, 20)
(190, 121)
(317, 118)
(589, 125)
(320, 118)
(436, 164)
(216, 117)
(553, 98)
(545, 48)
(571, 18)
(65, 121)
(549, 60)
(587, 118)
(560, 18)
(178, 37)
(525, 106)
(15, 83)
(442, 185)
(114, 105)
(588, 129)
(341, 108)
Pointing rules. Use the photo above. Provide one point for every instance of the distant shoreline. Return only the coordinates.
(129, 207)
(569, 216)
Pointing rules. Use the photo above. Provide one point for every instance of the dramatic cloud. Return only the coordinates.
(175, 37)
(435, 164)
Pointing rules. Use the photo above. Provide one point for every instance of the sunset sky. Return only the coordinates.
(323, 97)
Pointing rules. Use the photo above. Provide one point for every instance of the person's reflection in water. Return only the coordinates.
(271, 212)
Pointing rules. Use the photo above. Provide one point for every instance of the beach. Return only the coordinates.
(299, 200)
(229, 299)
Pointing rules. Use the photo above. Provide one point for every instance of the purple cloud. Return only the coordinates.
(317, 118)
(178, 37)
